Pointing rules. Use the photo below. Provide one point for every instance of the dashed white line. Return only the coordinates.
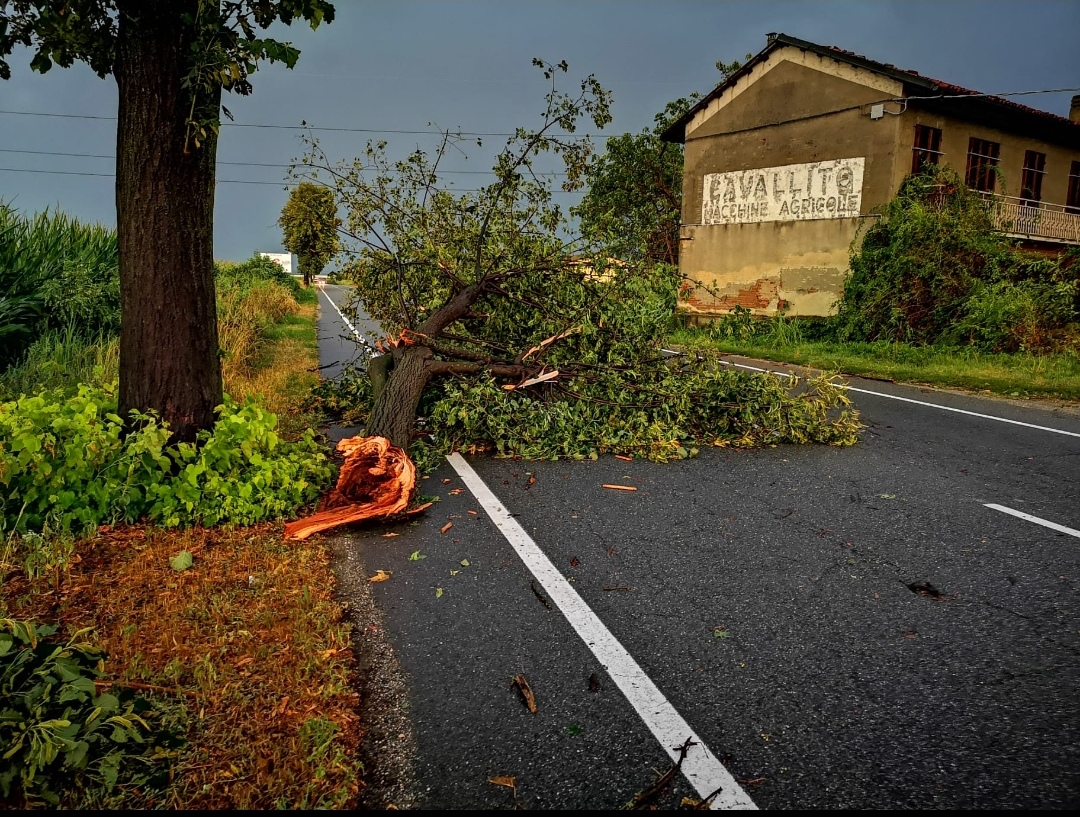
(1044, 522)
(700, 767)
(921, 402)
(352, 328)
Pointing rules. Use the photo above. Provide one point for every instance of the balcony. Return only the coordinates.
(1035, 222)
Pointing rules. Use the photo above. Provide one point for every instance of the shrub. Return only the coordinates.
(257, 269)
(934, 270)
(65, 466)
(60, 734)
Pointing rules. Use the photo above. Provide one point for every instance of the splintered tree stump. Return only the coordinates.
(376, 481)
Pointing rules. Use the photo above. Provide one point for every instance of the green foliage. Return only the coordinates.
(257, 270)
(934, 270)
(55, 273)
(347, 398)
(58, 732)
(672, 409)
(240, 472)
(416, 241)
(62, 359)
(66, 466)
(633, 200)
(310, 223)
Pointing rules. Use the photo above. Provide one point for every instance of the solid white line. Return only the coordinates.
(701, 767)
(1045, 523)
(921, 403)
(359, 337)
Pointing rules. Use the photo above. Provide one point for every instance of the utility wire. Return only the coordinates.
(236, 164)
(288, 185)
(312, 128)
(486, 133)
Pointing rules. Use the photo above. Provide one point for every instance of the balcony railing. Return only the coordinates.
(1041, 221)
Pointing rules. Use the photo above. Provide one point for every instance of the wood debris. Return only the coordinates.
(505, 780)
(376, 481)
(620, 487)
(525, 690)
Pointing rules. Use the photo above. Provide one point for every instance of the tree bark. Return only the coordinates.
(394, 412)
(169, 357)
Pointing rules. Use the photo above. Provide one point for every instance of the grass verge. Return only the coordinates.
(1008, 375)
(247, 651)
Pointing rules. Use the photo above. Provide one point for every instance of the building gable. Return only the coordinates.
(799, 83)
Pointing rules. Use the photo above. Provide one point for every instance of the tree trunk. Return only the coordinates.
(394, 412)
(169, 360)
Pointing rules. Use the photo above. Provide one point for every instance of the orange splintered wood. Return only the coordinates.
(621, 487)
(376, 481)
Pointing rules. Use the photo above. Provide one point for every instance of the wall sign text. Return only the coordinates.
(830, 189)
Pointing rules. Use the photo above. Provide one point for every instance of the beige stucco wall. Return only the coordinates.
(797, 108)
(955, 134)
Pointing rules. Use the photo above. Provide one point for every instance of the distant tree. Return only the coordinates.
(310, 223)
(633, 198)
(171, 60)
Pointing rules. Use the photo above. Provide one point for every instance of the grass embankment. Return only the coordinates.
(1019, 374)
(246, 653)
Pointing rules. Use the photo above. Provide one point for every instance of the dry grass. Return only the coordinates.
(244, 316)
(247, 651)
(249, 640)
(275, 375)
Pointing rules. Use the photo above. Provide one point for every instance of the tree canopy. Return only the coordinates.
(310, 222)
(633, 190)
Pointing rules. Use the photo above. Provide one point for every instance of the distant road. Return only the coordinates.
(342, 337)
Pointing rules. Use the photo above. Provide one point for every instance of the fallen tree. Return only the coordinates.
(506, 331)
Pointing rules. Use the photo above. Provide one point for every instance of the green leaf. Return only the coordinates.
(464, 562)
(438, 592)
(416, 556)
(181, 561)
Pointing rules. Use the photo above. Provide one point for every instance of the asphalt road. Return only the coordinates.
(829, 628)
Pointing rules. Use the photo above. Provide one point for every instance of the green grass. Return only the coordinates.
(1009, 375)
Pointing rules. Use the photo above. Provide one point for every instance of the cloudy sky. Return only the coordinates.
(397, 69)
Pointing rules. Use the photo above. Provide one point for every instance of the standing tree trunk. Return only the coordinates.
(169, 358)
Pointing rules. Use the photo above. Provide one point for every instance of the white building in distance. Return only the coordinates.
(285, 259)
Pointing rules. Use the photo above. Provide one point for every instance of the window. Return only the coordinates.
(1032, 178)
(982, 160)
(1072, 202)
(927, 148)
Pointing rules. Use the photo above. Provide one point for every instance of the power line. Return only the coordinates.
(235, 164)
(312, 128)
(218, 181)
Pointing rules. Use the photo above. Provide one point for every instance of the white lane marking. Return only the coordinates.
(352, 328)
(921, 402)
(701, 767)
(1044, 522)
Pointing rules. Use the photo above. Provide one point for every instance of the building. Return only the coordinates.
(284, 259)
(789, 157)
